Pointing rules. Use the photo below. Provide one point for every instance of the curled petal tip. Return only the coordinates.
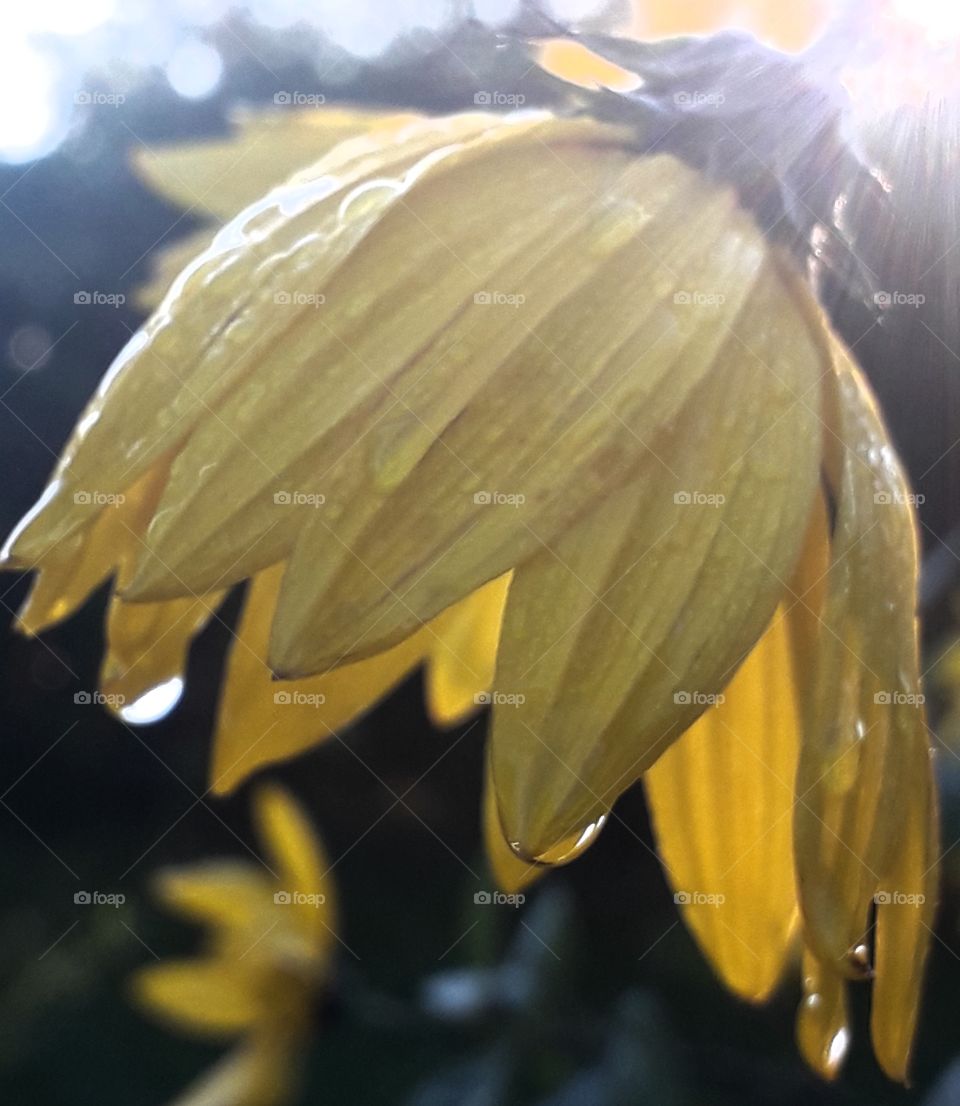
(25, 629)
(15, 554)
(9, 562)
(224, 783)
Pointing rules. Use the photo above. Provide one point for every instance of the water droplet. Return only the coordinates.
(368, 197)
(154, 704)
(859, 958)
(838, 1048)
(573, 846)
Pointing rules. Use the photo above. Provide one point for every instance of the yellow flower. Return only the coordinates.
(504, 395)
(268, 955)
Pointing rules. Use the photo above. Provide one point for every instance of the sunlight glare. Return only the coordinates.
(939, 19)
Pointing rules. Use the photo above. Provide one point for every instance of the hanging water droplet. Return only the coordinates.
(838, 1048)
(859, 958)
(573, 846)
(155, 704)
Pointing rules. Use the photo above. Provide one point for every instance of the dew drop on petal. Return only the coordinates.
(859, 958)
(574, 845)
(155, 704)
(838, 1048)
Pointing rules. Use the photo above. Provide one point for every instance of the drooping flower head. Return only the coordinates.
(514, 397)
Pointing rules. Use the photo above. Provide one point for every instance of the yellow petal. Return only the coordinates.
(786, 26)
(167, 263)
(147, 644)
(823, 1021)
(109, 540)
(222, 177)
(221, 894)
(215, 998)
(66, 576)
(721, 799)
(342, 442)
(261, 721)
(659, 18)
(260, 1072)
(510, 872)
(477, 471)
(301, 865)
(463, 654)
(220, 322)
(906, 904)
(616, 635)
(863, 719)
(573, 62)
(790, 27)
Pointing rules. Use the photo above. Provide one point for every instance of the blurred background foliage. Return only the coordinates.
(593, 992)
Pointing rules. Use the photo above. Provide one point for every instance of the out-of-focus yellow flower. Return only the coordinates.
(268, 955)
(504, 395)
